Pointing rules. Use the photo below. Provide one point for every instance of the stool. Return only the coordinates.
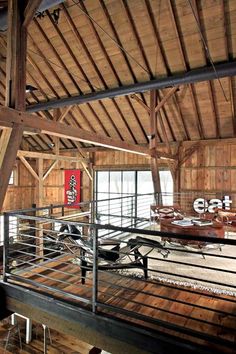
(45, 330)
(46, 335)
(28, 336)
(11, 330)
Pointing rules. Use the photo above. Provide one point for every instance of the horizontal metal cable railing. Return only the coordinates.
(109, 256)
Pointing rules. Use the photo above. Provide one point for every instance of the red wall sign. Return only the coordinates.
(72, 187)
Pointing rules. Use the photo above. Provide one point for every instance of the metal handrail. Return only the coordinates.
(21, 263)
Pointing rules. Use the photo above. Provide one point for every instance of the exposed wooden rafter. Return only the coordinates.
(90, 59)
(227, 52)
(130, 55)
(64, 131)
(183, 55)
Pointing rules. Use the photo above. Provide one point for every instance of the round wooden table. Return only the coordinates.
(214, 230)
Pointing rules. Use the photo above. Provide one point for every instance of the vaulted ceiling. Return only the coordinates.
(102, 44)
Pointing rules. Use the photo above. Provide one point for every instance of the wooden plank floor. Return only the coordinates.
(197, 311)
(61, 343)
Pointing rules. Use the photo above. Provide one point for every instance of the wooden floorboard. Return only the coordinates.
(150, 299)
(61, 343)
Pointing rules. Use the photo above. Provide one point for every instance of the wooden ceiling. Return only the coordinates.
(101, 44)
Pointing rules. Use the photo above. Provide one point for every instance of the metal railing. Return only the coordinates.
(107, 257)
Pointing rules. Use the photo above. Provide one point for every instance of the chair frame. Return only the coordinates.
(114, 256)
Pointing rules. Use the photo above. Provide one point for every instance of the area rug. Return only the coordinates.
(214, 272)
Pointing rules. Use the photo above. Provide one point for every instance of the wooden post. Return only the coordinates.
(15, 87)
(16, 56)
(153, 144)
(176, 169)
(56, 116)
(40, 202)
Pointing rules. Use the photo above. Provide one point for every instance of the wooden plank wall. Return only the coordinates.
(211, 169)
(120, 159)
(22, 194)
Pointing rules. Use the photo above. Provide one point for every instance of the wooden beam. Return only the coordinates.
(30, 11)
(50, 169)
(16, 56)
(9, 159)
(165, 116)
(167, 96)
(56, 141)
(82, 163)
(153, 143)
(188, 153)
(66, 111)
(80, 150)
(180, 44)
(174, 145)
(227, 51)
(41, 155)
(64, 131)
(29, 167)
(166, 141)
(140, 101)
(87, 171)
(155, 176)
(5, 136)
(153, 122)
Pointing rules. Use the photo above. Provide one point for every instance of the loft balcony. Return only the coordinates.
(107, 272)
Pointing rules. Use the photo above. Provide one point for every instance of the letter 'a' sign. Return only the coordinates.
(72, 187)
(201, 205)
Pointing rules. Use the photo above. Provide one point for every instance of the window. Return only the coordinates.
(144, 186)
(13, 229)
(167, 187)
(11, 180)
(112, 184)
